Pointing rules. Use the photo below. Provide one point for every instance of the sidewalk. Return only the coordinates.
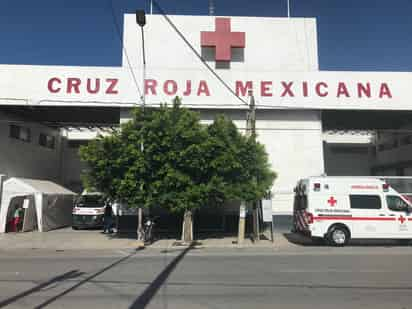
(68, 239)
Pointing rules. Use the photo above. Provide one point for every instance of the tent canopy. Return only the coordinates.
(51, 204)
(31, 186)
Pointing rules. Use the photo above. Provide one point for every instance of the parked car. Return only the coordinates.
(88, 211)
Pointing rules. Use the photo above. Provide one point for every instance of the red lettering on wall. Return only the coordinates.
(111, 88)
(73, 83)
(385, 91)
(96, 85)
(150, 84)
(266, 89)
(286, 89)
(305, 89)
(364, 90)
(53, 81)
(318, 90)
(342, 90)
(242, 89)
(203, 88)
(188, 90)
(166, 87)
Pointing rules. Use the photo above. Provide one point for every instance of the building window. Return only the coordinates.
(47, 141)
(406, 140)
(350, 150)
(20, 133)
(365, 202)
(77, 143)
(386, 146)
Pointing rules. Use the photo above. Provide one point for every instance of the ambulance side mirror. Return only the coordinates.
(408, 209)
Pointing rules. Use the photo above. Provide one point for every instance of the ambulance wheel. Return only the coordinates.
(338, 236)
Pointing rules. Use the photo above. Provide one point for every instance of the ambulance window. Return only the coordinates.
(365, 202)
(396, 203)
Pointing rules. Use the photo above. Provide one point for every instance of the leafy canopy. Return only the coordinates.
(166, 157)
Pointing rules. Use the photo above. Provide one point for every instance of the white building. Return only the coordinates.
(277, 58)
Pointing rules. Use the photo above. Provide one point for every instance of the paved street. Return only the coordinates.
(309, 277)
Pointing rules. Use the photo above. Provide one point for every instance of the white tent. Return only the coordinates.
(47, 205)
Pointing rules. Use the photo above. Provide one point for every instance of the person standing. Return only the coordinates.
(108, 219)
(17, 219)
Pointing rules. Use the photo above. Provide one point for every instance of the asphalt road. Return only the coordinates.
(312, 277)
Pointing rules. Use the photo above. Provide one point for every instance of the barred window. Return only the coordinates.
(20, 133)
(47, 141)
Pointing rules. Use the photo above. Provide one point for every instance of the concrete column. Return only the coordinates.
(2, 179)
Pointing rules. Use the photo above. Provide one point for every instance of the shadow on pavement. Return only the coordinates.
(54, 298)
(143, 300)
(302, 240)
(68, 275)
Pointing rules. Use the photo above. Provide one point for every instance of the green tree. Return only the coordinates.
(238, 166)
(182, 165)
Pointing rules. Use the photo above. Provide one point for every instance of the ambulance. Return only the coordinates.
(337, 209)
(88, 210)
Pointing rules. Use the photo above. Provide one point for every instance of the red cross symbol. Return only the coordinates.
(332, 201)
(402, 219)
(222, 39)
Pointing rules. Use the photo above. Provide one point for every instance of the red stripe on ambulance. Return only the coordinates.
(355, 218)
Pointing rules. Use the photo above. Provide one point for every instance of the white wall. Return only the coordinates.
(272, 44)
(29, 159)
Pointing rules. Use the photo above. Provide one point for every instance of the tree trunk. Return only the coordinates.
(139, 224)
(187, 229)
(256, 232)
(242, 222)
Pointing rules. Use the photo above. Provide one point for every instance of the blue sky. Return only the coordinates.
(359, 35)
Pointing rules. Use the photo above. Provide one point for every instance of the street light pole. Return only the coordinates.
(141, 21)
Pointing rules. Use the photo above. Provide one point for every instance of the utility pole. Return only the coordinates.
(288, 8)
(250, 132)
(211, 8)
(141, 21)
(252, 120)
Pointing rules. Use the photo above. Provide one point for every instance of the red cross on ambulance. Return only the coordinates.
(332, 201)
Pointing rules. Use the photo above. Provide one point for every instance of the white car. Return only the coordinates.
(88, 211)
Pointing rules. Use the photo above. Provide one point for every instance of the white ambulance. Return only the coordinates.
(340, 208)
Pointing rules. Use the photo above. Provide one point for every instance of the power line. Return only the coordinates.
(124, 48)
(217, 76)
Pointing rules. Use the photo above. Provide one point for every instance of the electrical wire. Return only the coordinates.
(124, 50)
(214, 73)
